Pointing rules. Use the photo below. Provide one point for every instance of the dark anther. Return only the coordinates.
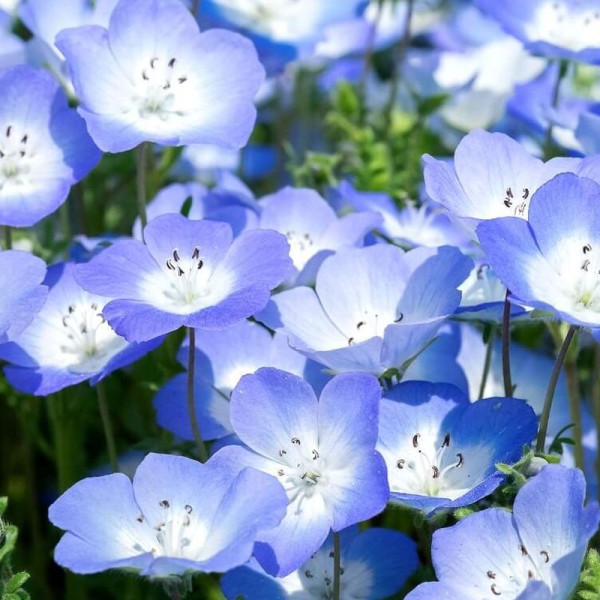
(523, 550)
(545, 555)
(415, 440)
(71, 309)
(196, 253)
(350, 341)
(24, 139)
(491, 574)
(145, 76)
(509, 192)
(400, 317)
(167, 85)
(436, 472)
(170, 265)
(165, 503)
(446, 441)
(172, 63)
(180, 271)
(94, 306)
(315, 455)
(296, 441)
(308, 574)
(303, 476)
(587, 248)
(182, 79)
(8, 130)
(525, 194)
(159, 526)
(64, 322)
(140, 519)
(280, 473)
(494, 589)
(153, 62)
(282, 452)
(200, 264)
(507, 203)
(331, 554)
(585, 266)
(21, 153)
(327, 581)
(2, 155)
(83, 328)
(188, 509)
(400, 464)
(461, 460)
(529, 574)
(175, 255)
(360, 324)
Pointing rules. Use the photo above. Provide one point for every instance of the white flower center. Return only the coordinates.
(87, 341)
(582, 284)
(301, 471)
(178, 534)
(424, 469)
(482, 286)
(15, 157)
(157, 87)
(562, 24)
(187, 278)
(371, 324)
(517, 203)
(302, 248)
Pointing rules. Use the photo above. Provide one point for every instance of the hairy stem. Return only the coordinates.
(337, 565)
(191, 404)
(107, 426)
(506, 376)
(141, 176)
(545, 418)
(486, 364)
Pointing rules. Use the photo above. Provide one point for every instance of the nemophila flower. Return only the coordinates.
(534, 553)
(222, 357)
(203, 204)
(492, 176)
(188, 273)
(23, 295)
(587, 131)
(68, 341)
(152, 76)
(549, 262)
(44, 147)
(322, 451)
(441, 450)
(374, 564)
(312, 228)
(373, 308)
(177, 515)
(567, 29)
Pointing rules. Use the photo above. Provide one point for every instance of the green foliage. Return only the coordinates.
(11, 584)
(588, 587)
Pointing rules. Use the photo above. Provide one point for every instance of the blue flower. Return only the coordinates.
(322, 451)
(178, 515)
(152, 76)
(492, 176)
(441, 450)
(373, 308)
(534, 553)
(68, 341)
(312, 228)
(223, 357)
(217, 205)
(550, 262)
(188, 273)
(23, 295)
(44, 147)
(374, 564)
(553, 28)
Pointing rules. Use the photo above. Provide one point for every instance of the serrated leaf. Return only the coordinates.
(588, 587)
(16, 581)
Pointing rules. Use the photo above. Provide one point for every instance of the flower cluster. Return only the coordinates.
(313, 260)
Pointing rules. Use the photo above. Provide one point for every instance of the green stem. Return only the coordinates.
(545, 418)
(65, 220)
(549, 142)
(596, 404)
(141, 175)
(337, 565)
(575, 410)
(7, 237)
(191, 404)
(486, 364)
(399, 55)
(107, 426)
(506, 376)
(60, 432)
(370, 49)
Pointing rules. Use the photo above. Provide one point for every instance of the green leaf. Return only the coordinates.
(16, 581)
(588, 587)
